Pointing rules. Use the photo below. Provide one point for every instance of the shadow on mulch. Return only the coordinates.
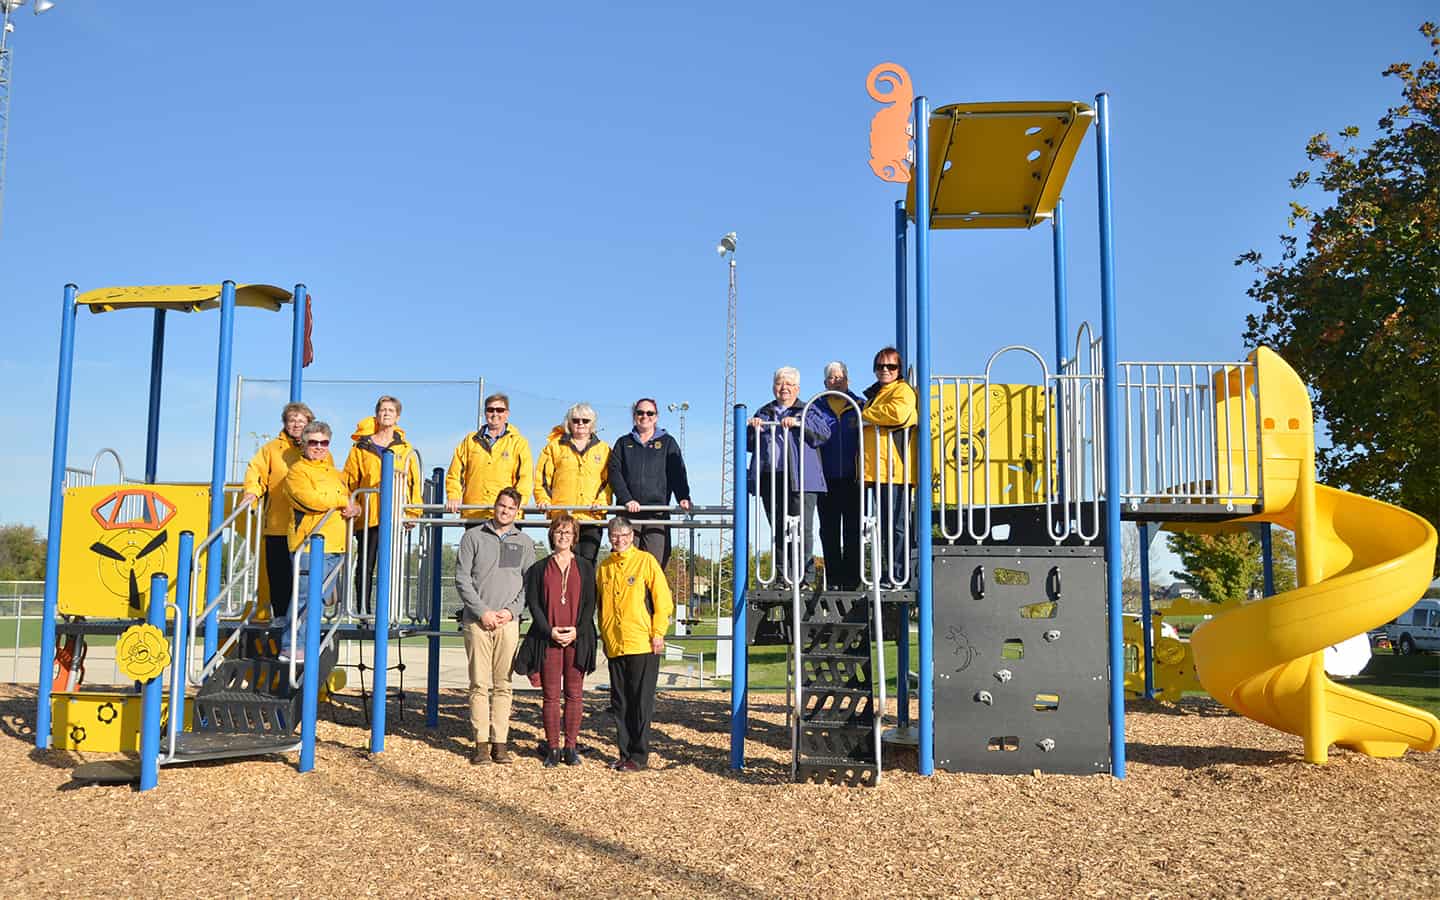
(1191, 757)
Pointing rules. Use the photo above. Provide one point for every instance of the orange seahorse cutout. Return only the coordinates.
(890, 128)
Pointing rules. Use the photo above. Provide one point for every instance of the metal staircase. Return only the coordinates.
(836, 731)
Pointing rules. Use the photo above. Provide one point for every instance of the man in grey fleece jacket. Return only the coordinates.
(489, 576)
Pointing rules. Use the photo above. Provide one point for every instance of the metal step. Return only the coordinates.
(198, 746)
(848, 772)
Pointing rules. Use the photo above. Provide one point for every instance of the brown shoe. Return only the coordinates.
(480, 756)
(501, 754)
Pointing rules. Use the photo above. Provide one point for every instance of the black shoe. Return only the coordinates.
(552, 759)
(571, 758)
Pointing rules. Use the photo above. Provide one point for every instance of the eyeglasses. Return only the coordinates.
(496, 410)
(580, 421)
(643, 413)
(317, 443)
(887, 367)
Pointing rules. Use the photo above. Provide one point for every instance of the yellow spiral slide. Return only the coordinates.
(1359, 564)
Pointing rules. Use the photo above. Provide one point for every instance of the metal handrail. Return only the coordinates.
(326, 586)
(225, 525)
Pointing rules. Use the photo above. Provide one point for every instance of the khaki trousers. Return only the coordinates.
(490, 654)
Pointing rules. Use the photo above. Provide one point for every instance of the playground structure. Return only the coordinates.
(1016, 520)
(1013, 537)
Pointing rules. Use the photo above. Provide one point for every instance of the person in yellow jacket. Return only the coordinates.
(574, 470)
(315, 488)
(265, 477)
(495, 457)
(634, 605)
(889, 432)
(373, 436)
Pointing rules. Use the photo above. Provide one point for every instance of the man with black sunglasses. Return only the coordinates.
(647, 469)
(495, 457)
(889, 416)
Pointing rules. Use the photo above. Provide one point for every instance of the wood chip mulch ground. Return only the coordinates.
(1213, 805)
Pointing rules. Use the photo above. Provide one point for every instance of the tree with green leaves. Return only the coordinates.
(1354, 307)
(22, 553)
(1230, 565)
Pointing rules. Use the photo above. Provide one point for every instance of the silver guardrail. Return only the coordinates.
(245, 577)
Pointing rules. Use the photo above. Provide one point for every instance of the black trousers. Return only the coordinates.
(795, 503)
(279, 573)
(654, 541)
(587, 542)
(839, 509)
(632, 703)
(369, 539)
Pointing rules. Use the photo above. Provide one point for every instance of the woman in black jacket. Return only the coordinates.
(560, 597)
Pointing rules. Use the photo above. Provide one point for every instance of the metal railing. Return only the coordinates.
(78, 477)
(242, 574)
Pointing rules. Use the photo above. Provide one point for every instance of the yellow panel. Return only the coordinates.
(181, 297)
(1011, 446)
(1000, 165)
(1237, 456)
(114, 537)
(101, 721)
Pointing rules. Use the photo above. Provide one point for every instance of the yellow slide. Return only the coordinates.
(1359, 562)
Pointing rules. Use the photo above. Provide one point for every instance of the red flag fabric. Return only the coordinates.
(309, 356)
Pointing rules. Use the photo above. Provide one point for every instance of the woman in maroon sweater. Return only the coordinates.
(560, 596)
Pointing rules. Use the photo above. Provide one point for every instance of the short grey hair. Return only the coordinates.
(787, 373)
(836, 364)
(619, 524)
(316, 427)
(584, 411)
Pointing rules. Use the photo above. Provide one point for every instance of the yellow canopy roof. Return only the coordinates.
(181, 297)
(1000, 165)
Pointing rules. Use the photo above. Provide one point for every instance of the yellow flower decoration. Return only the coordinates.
(142, 652)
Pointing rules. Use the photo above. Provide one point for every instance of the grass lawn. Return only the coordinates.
(768, 667)
(1412, 680)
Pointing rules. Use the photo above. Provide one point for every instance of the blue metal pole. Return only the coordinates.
(59, 447)
(215, 559)
(739, 621)
(437, 555)
(1110, 368)
(310, 674)
(902, 313)
(382, 602)
(1062, 299)
(157, 366)
(297, 341)
(152, 694)
(1146, 612)
(1267, 558)
(923, 580)
(184, 597)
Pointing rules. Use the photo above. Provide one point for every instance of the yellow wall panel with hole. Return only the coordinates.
(999, 461)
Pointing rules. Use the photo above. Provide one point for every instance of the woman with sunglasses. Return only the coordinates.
(647, 469)
(315, 487)
(889, 417)
(373, 436)
(574, 470)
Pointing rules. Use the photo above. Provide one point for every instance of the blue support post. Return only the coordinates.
(437, 553)
(152, 693)
(184, 597)
(1267, 558)
(1110, 373)
(214, 561)
(902, 312)
(1146, 612)
(739, 622)
(310, 675)
(923, 582)
(152, 425)
(297, 341)
(59, 447)
(382, 602)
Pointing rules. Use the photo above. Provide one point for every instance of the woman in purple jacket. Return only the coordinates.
(774, 470)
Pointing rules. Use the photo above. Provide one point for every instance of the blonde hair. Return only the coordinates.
(583, 410)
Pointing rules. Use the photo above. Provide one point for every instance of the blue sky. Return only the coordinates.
(533, 195)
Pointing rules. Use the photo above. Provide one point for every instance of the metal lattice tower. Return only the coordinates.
(727, 439)
(5, 57)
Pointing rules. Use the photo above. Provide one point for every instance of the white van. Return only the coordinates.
(1417, 628)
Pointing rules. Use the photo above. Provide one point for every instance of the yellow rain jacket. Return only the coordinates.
(892, 408)
(481, 467)
(265, 477)
(626, 624)
(567, 477)
(315, 488)
(362, 469)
